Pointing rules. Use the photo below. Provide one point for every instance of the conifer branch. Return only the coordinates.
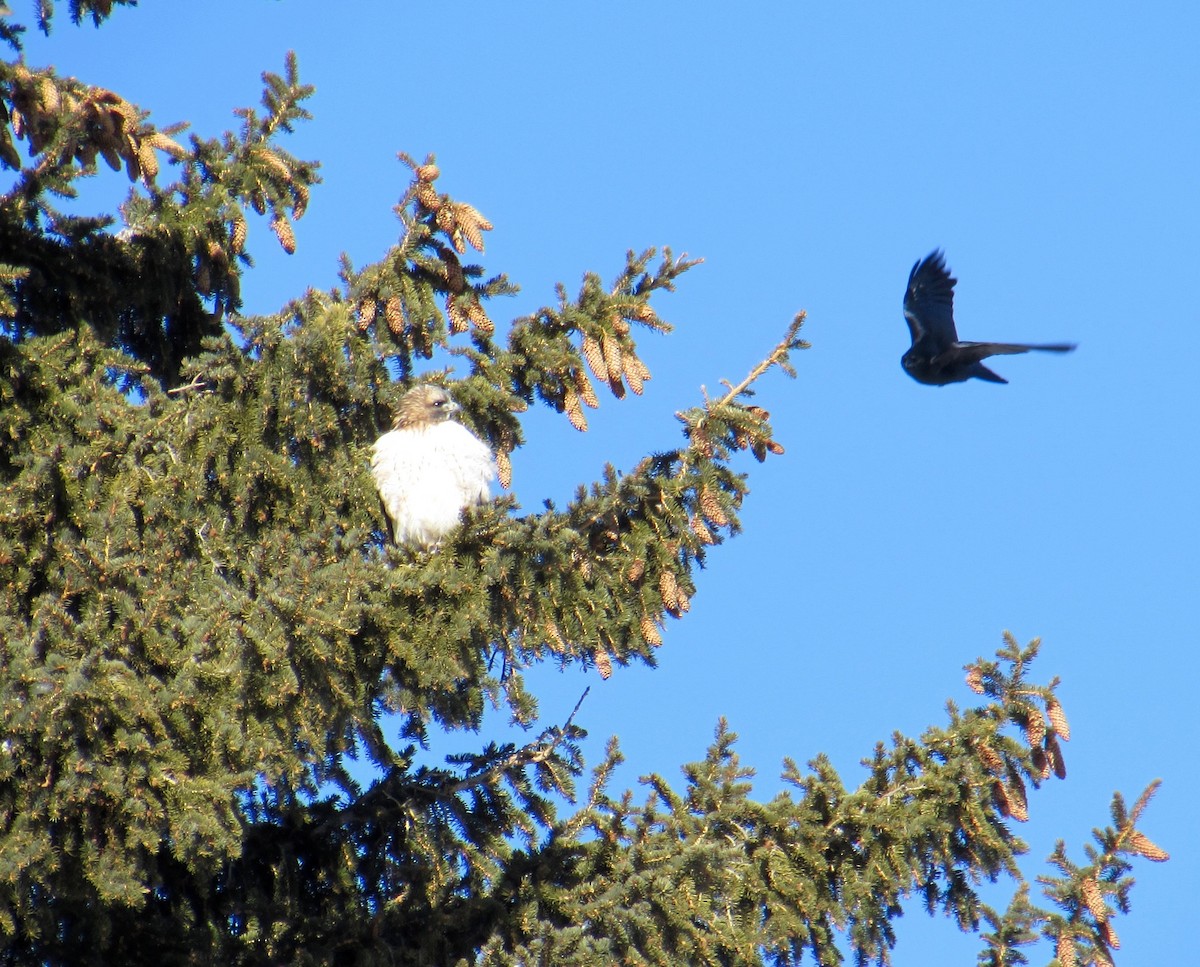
(538, 752)
(777, 357)
(1084, 932)
(414, 797)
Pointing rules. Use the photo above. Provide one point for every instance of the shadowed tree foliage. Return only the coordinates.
(206, 643)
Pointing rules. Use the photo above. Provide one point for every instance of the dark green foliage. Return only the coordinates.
(162, 285)
(203, 632)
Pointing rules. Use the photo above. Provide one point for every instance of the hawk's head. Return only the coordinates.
(423, 405)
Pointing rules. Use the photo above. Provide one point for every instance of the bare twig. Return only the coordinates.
(197, 383)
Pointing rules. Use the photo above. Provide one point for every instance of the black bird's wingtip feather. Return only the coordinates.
(935, 258)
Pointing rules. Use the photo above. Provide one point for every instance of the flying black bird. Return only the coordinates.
(937, 356)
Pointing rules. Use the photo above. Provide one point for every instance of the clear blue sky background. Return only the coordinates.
(811, 153)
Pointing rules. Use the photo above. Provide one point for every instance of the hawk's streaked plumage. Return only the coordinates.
(429, 468)
(937, 356)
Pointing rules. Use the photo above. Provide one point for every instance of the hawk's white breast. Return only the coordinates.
(427, 475)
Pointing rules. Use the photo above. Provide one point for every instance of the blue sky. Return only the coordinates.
(811, 153)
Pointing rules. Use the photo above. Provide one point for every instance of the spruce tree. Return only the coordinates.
(206, 640)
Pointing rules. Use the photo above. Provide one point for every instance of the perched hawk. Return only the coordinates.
(937, 356)
(429, 468)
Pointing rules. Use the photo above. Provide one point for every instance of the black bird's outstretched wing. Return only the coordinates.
(929, 302)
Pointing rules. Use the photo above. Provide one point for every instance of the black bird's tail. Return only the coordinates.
(1054, 347)
(982, 350)
(969, 356)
